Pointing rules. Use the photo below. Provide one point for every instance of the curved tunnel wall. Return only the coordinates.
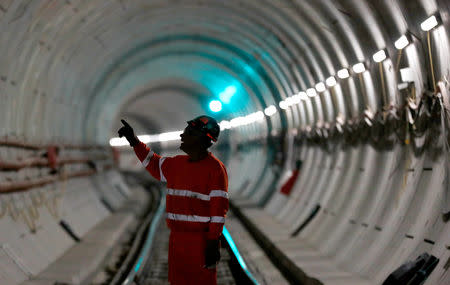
(70, 69)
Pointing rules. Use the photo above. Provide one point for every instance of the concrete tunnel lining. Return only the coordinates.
(69, 70)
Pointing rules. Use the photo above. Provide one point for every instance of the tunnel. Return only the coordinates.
(334, 130)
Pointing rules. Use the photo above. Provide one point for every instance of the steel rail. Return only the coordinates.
(137, 267)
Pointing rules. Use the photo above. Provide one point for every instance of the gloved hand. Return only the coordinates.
(128, 132)
(212, 253)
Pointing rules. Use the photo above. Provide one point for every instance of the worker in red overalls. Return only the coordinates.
(196, 200)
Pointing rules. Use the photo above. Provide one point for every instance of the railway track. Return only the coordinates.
(142, 257)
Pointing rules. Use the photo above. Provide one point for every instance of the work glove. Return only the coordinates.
(128, 132)
(212, 253)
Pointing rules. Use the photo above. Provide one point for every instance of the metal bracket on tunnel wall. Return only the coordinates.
(69, 230)
(307, 221)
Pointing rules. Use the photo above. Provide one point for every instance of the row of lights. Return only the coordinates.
(258, 116)
(242, 121)
(163, 137)
(357, 68)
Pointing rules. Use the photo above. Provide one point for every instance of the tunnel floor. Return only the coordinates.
(158, 266)
(258, 263)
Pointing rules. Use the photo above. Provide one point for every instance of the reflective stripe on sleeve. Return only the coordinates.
(217, 219)
(218, 193)
(163, 178)
(187, 193)
(146, 161)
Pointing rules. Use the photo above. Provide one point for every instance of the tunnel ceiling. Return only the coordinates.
(164, 60)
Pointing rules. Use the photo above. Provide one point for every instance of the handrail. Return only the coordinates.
(144, 254)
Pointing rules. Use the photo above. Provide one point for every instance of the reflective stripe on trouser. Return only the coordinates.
(187, 258)
(195, 218)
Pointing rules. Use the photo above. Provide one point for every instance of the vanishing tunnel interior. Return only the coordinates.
(357, 90)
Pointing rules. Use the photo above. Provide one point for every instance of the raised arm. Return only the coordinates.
(150, 160)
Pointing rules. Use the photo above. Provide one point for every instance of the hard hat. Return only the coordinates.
(206, 125)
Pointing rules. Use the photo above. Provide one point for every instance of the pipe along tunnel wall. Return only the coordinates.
(358, 90)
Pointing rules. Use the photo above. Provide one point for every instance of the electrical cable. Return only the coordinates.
(383, 88)
(431, 61)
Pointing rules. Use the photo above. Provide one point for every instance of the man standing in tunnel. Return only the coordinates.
(196, 200)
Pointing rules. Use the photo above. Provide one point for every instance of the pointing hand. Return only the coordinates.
(128, 132)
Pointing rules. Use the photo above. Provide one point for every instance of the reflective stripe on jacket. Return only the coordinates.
(197, 191)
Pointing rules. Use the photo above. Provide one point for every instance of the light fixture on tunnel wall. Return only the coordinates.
(296, 99)
(170, 136)
(320, 87)
(430, 23)
(289, 101)
(283, 105)
(225, 125)
(407, 74)
(330, 81)
(343, 73)
(225, 96)
(118, 142)
(359, 67)
(302, 95)
(269, 111)
(311, 92)
(236, 122)
(379, 56)
(402, 42)
(215, 106)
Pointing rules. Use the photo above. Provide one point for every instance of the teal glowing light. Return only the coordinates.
(225, 96)
(215, 106)
(241, 261)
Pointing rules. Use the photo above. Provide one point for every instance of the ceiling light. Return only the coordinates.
(311, 92)
(331, 81)
(215, 105)
(343, 73)
(283, 105)
(320, 87)
(402, 42)
(225, 96)
(429, 23)
(379, 56)
(359, 67)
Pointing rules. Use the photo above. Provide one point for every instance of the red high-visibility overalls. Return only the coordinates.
(196, 206)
